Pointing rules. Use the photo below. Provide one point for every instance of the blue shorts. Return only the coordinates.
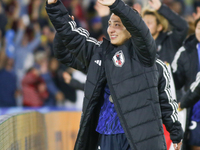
(113, 142)
(194, 134)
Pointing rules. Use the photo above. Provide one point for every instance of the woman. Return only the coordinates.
(121, 108)
(186, 65)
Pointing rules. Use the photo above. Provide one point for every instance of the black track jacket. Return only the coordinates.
(185, 69)
(168, 43)
(133, 82)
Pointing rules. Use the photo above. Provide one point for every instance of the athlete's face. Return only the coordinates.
(117, 31)
(151, 22)
(197, 31)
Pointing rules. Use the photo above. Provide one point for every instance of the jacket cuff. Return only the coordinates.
(114, 4)
(52, 5)
(176, 133)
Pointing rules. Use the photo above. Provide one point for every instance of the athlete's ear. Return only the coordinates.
(159, 28)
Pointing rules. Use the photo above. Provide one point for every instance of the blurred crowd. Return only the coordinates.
(30, 75)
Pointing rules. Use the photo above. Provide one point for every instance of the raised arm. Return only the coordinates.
(64, 55)
(141, 37)
(76, 40)
(180, 26)
(168, 104)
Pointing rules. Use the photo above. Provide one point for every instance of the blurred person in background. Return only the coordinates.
(185, 66)
(55, 95)
(12, 10)
(177, 6)
(49, 34)
(191, 18)
(56, 71)
(96, 28)
(3, 20)
(191, 99)
(157, 20)
(8, 81)
(73, 82)
(34, 89)
(24, 48)
(76, 80)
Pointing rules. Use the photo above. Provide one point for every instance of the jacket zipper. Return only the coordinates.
(119, 112)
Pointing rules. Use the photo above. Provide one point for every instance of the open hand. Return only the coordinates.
(67, 77)
(101, 9)
(52, 1)
(156, 4)
(106, 2)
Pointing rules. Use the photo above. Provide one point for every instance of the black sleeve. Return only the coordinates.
(168, 104)
(180, 26)
(64, 55)
(76, 40)
(141, 37)
(192, 96)
(77, 85)
(178, 67)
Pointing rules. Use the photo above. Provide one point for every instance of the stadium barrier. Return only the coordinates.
(36, 131)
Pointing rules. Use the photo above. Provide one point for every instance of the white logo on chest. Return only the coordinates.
(98, 62)
(118, 59)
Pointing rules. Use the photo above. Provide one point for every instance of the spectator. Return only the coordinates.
(55, 95)
(157, 20)
(186, 65)
(49, 34)
(77, 81)
(23, 54)
(3, 19)
(34, 89)
(8, 87)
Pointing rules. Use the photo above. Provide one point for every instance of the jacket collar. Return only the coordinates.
(191, 43)
(161, 38)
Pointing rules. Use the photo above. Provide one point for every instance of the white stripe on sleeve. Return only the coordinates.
(195, 84)
(176, 57)
(84, 32)
(167, 90)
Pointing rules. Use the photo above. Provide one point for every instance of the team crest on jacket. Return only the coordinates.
(119, 59)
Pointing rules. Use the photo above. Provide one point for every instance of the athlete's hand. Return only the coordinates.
(179, 107)
(52, 1)
(177, 146)
(101, 9)
(156, 4)
(106, 2)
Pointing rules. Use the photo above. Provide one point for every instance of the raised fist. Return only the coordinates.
(51, 1)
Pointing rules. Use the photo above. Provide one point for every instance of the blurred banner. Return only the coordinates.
(36, 131)
(23, 132)
(62, 129)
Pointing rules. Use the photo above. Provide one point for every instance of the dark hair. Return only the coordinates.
(196, 22)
